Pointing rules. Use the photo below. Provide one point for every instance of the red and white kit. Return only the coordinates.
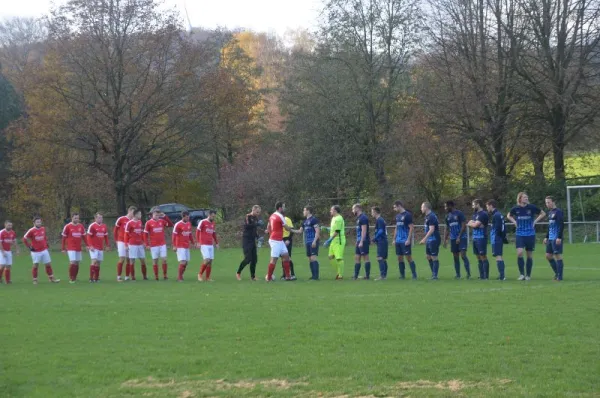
(119, 234)
(183, 238)
(97, 240)
(35, 239)
(155, 234)
(72, 238)
(207, 237)
(7, 239)
(278, 247)
(134, 239)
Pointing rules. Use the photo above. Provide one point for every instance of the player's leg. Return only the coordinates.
(529, 248)
(1, 271)
(287, 271)
(463, 253)
(253, 262)
(400, 257)
(7, 270)
(292, 271)
(367, 261)
(429, 257)
(45, 258)
(245, 261)
(183, 256)
(454, 248)
(131, 264)
(314, 262)
(558, 256)
(339, 259)
(357, 263)
(272, 263)
(520, 243)
(497, 249)
(155, 254)
(551, 259)
(209, 269)
(34, 271)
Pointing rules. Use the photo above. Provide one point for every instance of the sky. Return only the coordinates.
(259, 15)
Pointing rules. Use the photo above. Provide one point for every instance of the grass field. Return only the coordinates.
(327, 338)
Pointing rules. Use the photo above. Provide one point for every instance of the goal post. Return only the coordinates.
(569, 212)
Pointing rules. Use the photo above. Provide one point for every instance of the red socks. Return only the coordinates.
(208, 270)
(119, 268)
(286, 269)
(34, 272)
(180, 272)
(7, 275)
(127, 268)
(49, 271)
(1, 273)
(155, 269)
(144, 271)
(164, 269)
(202, 269)
(271, 270)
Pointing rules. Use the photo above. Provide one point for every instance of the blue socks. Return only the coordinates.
(521, 264)
(457, 266)
(500, 265)
(436, 268)
(385, 267)
(486, 269)
(481, 271)
(431, 266)
(559, 269)
(554, 266)
(413, 269)
(529, 266)
(356, 270)
(381, 268)
(467, 265)
(402, 268)
(367, 269)
(314, 269)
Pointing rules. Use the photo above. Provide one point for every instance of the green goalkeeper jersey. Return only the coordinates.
(338, 224)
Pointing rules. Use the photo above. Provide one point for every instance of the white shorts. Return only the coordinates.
(97, 255)
(158, 252)
(278, 248)
(121, 250)
(74, 256)
(183, 255)
(208, 252)
(136, 251)
(5, 259)
(42, 257)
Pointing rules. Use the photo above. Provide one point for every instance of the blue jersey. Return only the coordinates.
(454, 221)
(360, 221)
(525, 216)
(380, 230)
(403, 222)
(481, 231)
(432, 220)
(556, 224)
(309, 226)
(497, 231)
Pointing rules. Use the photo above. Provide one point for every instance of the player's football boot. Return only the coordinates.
(238, 276)
(54, 280)
(527, 278)
(35, 281)
(521, 278)
(200, 278)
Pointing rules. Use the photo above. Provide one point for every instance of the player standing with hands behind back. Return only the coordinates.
(206, 236)
(8, 239)
(524, 217)
(554, 237)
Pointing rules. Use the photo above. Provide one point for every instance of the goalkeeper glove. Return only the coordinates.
(327, 242)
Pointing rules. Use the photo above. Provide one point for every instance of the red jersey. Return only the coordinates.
(155, 231)
(206, 234)
(72, 236)
(134, 233)
(37, 236)
(7, 239)
(119, 230)
(276, 222)
(182, 235)
(97, 236)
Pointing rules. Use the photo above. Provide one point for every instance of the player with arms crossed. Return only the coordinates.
(361, 251)
(155, 239)
(312, 234)
(432, 239)
(73, 235)
(35, 239)
(134, 244)
(403, 238)
(554, 238)
(206, 236)
(524, 217)
(182, 240)
(381, 240)
(8, 239)
(119, 235)
(278, 248)
(457, 231)
(497, 236)
(479, 224)
(97, 242)
(249, 236)
(337, 241)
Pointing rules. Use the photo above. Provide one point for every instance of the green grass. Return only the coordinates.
(230, 338)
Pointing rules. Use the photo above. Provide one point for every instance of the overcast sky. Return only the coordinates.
(259, 15)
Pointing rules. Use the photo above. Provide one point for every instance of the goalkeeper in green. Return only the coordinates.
(337, 241)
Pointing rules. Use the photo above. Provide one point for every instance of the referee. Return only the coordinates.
(249, 243)
(289, 243)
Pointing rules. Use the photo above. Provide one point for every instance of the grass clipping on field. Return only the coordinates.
(189, 388)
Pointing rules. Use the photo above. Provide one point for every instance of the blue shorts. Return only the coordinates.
(364, 251)
(553, 248)
(382, 250)
(432, 248)
(526, 242)
(497, 248)
(403, 250)
(312, 251)
(480, 247)
(460, 247)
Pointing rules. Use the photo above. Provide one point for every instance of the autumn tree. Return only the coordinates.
(129, 78)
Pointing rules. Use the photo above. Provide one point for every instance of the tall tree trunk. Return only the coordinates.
(558, 151)
(500, 177)
(464, 171)
(121, 193)
(537, 160)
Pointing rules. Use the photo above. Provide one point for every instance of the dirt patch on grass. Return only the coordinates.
(450, 385)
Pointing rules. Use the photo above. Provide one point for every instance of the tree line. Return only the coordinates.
(111, 103)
